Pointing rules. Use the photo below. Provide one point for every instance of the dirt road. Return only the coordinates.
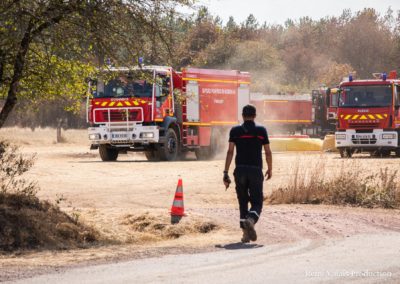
(104, 194)
(361, 259)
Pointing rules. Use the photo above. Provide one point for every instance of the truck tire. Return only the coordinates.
(346, 153)
(169, 150)
(108, 154)
(209, 152)
(204, 153)
(152, 155)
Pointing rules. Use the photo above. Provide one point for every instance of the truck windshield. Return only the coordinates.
(366, 96)
(124, 86)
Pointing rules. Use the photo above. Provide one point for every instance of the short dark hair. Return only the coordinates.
(249, 111)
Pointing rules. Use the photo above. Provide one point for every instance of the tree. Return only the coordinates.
(48, 46)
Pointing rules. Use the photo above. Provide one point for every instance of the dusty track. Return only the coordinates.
(101, 194)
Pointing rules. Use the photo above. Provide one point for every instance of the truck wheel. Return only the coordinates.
(152, 155)
(385, 153)
(204, 153)
(108, 154)
(170, 149)
(346, 153)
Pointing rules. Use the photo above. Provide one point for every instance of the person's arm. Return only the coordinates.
(268, 158)
(228, 161)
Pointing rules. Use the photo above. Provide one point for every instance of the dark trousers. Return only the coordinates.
(249, 188)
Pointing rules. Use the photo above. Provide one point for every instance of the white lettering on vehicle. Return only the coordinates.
(218, 91)
(363, 110)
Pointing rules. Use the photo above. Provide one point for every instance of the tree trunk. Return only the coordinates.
(19, 63)
(59, 123)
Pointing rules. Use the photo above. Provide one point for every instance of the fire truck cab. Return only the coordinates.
(368, 116)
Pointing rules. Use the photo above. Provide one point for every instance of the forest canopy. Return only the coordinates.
(298, 56)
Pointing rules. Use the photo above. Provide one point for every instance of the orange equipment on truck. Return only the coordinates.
(368, 114)
(164, 113)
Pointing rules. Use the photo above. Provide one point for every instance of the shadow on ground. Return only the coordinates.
(239, 245)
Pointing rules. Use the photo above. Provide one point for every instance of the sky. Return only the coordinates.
(278, 11)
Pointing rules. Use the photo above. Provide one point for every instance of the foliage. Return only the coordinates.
(12, 166)
(47, 48)
(298, 56)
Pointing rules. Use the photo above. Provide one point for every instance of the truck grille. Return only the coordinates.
(122, 115)
(364, 141)
(363, 125)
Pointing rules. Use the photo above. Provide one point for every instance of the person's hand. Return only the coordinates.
(226, 179)
(268, 174)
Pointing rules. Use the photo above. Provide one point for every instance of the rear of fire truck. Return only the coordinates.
(214, 102)
(368, 116)
(132, 109)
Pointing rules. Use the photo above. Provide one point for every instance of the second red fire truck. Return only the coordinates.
(164, 113)
(368, 116)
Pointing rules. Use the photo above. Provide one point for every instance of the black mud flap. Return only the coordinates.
(94, 147)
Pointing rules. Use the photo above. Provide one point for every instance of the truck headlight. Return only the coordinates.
(340, 136)
(147, 135)
(389, 136)
(94, 136)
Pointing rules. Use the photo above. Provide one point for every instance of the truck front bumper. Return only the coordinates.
(377, 139)
(137, 134)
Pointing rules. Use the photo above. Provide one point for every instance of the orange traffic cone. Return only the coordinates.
(177, 209)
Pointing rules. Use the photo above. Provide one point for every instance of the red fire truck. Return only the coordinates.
(368, 114)
(164, 113)
(311, 114)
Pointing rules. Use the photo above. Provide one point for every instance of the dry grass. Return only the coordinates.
(157, 227)
(351, 185)
(27, 222)
(43, 136)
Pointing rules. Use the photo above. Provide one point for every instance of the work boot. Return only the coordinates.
(248, 225)
(245, 237)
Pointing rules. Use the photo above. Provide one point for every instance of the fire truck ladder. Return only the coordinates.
(185, 128)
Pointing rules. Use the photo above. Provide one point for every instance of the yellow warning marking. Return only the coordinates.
(288, 120)
(104, 104)
(196, 124)
(119, 104)
(135, 103)
(143, 102)
(371, 116)
(215, 81)
(224, 122)
(97, 103)
(363, 117)
(385, 115)
(356, 116)
(379, 116)
(347, 116)
(341, 116)
(111, 104)
(128, 103)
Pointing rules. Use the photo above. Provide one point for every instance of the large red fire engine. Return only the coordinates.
(368, 114)
(311, 114)
(162, 112)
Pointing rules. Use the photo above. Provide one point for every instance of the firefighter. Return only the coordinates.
(249, 140)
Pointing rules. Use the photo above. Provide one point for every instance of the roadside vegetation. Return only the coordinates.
(297, 56)
(349, 186)
(26, 222)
